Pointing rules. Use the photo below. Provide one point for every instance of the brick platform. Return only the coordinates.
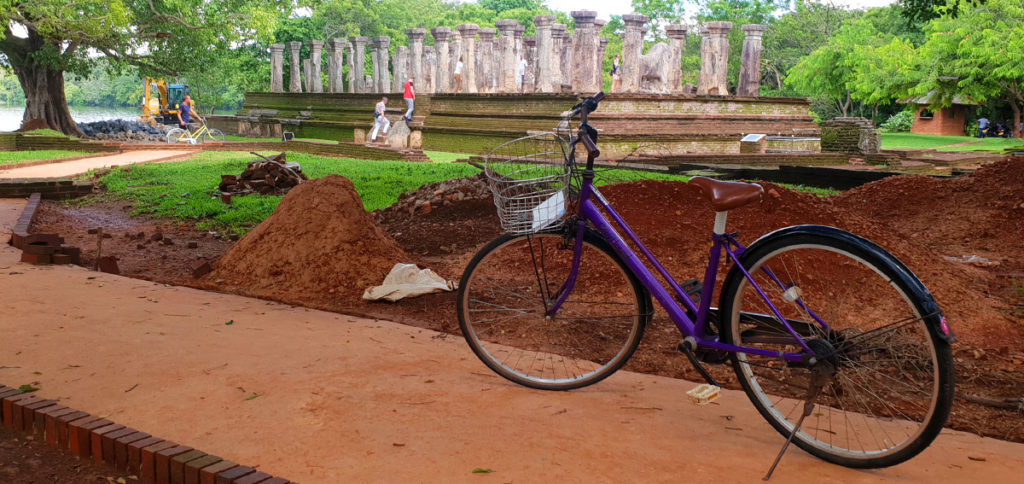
(154, 460)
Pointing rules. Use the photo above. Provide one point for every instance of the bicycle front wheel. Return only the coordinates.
(178, 135)
(212, 135)
(853, 302)
(507, 290)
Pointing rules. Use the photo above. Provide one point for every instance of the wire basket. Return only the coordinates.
(529, 178)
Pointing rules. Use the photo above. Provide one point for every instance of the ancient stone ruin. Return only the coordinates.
(556, 61)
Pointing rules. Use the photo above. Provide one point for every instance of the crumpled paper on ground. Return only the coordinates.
(408, 280)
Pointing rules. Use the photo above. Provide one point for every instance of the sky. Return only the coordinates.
(607, 8)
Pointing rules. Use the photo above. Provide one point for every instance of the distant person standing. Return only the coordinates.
(410, 98)
(379, 119)
(982, 127)
(458, 75)
(616, 75)
(185, 111)
(521, 73)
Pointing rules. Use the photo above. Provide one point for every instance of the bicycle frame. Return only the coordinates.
(591, 211)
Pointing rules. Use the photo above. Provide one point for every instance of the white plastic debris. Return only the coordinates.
(408, 280)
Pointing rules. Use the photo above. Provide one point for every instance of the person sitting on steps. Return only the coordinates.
(380, 119)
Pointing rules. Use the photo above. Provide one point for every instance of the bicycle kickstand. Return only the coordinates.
(820, 374)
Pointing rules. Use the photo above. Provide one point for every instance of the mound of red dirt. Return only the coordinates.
(320, 248)
(443, 218)
(978, 214)
(675, 222)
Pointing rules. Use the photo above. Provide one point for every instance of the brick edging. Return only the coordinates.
(125, 449)
(19, 233)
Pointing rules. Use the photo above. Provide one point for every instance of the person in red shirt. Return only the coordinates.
(410, 97)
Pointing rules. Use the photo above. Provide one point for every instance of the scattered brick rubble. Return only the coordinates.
(265, 176)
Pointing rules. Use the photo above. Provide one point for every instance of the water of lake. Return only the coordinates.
(10, 116)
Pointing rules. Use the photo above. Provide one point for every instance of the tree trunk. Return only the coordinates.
(44, 96)
(40, 72)
(1016, 120)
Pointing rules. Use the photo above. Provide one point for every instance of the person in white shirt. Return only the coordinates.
(379, 119)
(458, 75)
(522, 72)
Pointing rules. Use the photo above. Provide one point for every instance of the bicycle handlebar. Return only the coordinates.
(586, 133)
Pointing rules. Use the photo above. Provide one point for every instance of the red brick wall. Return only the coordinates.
(946, 122)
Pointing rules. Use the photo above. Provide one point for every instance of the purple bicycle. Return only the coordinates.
(836, 342)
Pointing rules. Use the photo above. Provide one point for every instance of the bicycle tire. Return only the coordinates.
(592, 335)
(214, 135)
(178, 135)
(893, 389)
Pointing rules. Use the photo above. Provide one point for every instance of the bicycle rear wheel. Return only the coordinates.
(504, 295)
(178, 135)
(893, 388)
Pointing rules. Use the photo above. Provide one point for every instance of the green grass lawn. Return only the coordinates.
(913, 141)
(10, 157)
(187, 190)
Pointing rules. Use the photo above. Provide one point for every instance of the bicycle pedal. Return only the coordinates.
(692, 287)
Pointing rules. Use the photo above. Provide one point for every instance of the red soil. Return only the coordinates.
(319, 248)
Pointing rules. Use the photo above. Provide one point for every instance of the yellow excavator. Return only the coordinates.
(161, 102)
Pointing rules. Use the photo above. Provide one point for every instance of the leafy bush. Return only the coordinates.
(899, 122)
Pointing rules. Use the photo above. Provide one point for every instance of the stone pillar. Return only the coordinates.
(277, 68)
(381, 72)
(307, 78)
(429, 69)
(507, 55)
(584, 52)
(517, 34)
(332, 65)
(557, 35)
(468, 33)
(358, 72)
(676, 42)
(316, 81)
(401, 68)
(566, 67)
(442, 78)
(599, 56)
(632, 49)
(350, 56)
(545, 50)
(415, 55)
(334, 77)
(530, 55)
(714, 59)
(485, 61)
(750, 62)
(295, 83)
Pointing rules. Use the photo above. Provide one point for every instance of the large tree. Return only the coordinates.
(44, 39)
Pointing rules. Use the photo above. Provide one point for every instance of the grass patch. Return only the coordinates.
(914, 141)
(187, 190)
(45, 132)
(10, 157)
(444, 156)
